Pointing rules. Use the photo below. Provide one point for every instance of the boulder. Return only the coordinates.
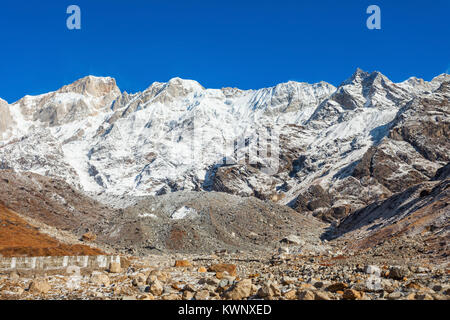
(222, 267)
(39, 286)
(139, 279)
(99, 279)
(290, 295)
(88, 236)
(156, 288)
(187, 295)
(395, 295)
(321, 295)
(183, 264)
(269, 290)
(339, 286)
(240, 290)
(424, 296)
(371, 269)
(124, 263)
(398, 272)
(171, 297)
(189, 287)
(413, 286)
(350, 294)
(292, 239)
(306, 295)
(147, 296)
(202, 295)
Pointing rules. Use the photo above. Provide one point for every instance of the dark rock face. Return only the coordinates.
(425, 125)
(443, 172)
(382, 166)
(244, 180)
(364, 166)
(321, 204)
(415, 147)
(412, 162)
(340, 212)
(420, 211)
(315, 197)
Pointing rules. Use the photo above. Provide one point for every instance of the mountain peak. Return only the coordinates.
(357, 77)
(374, 77)
(360, 73)
(363, 77)
(292, 83)
(441, 78)
(414, 80)
(92, 85)
(190, 85)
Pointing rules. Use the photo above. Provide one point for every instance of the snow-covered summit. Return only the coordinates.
(93, 86)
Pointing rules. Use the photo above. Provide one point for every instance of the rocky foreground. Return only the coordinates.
(285, 275)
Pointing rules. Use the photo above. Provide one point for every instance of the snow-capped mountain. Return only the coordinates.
(180, 136)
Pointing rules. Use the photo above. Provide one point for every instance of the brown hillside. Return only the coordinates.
(19, 238)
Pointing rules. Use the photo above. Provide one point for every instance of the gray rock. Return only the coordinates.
(398, 272)
(371, 269)
(395, 295)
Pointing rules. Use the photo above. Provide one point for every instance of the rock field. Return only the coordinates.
(236, 276)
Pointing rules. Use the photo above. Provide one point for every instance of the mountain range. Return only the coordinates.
(338, 150)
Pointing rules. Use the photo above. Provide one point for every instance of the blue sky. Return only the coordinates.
(245, 44)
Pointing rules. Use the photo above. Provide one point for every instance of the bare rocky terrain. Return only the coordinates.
(237, 276)
(292, 260)
(201, 222)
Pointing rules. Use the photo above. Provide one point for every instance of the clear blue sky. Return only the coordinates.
(245, 44)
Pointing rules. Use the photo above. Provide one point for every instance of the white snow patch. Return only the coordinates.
(183, 213)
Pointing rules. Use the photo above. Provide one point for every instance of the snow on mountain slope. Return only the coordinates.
(180, 136)
(406, 151)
